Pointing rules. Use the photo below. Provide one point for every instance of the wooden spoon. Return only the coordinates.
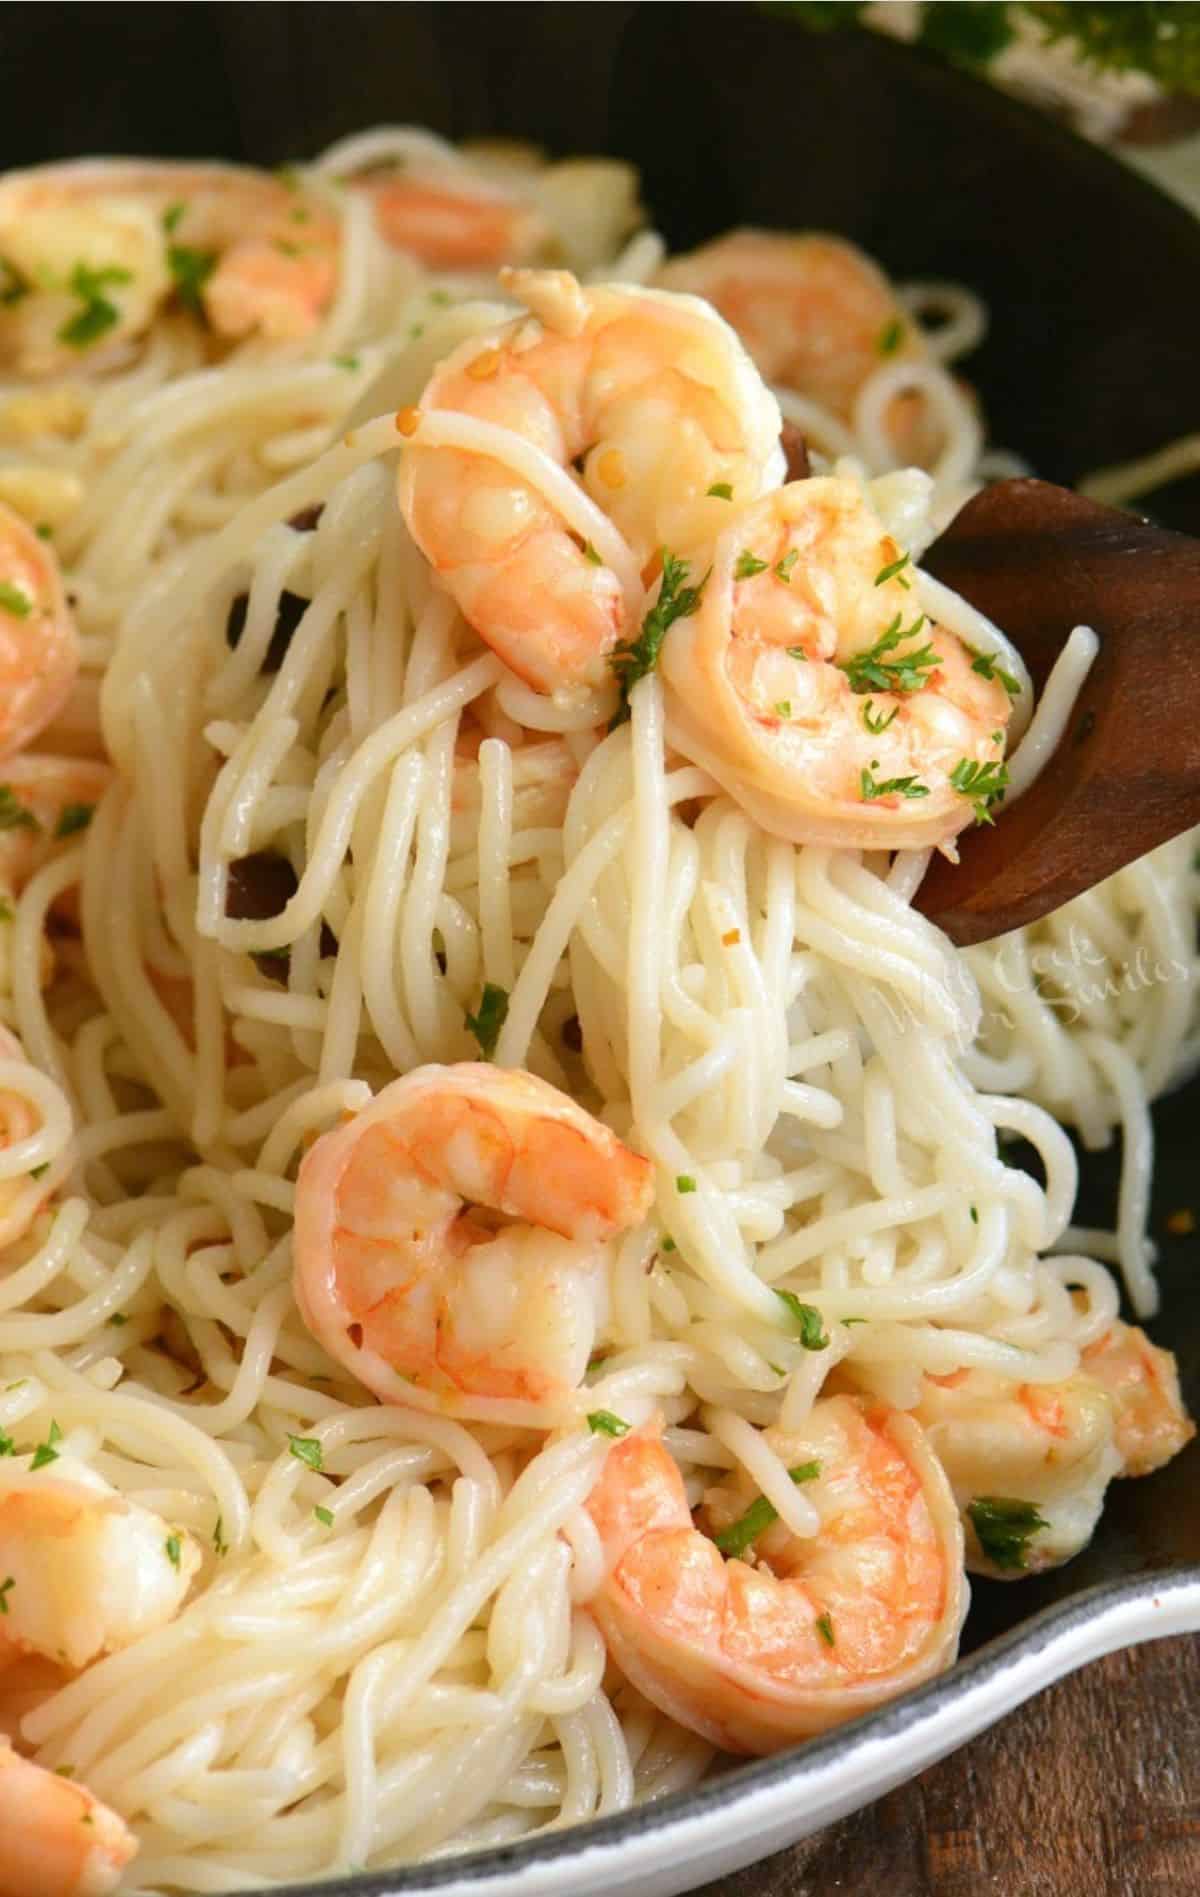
(1040, 560)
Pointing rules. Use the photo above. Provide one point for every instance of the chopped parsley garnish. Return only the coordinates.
(893, 571)
(7, 912)
(190, 270)
(14, 601)
(974, 1211)
(1005, 1527)
(797, 652)
(824, 1627)
(604, 1423)
(220, 1545)
(7, 1446)
(748, 564)
(847, 1321)
(685, 1183)
(46, 1453)
(13, 814)
(668, 1243)
(324, 1516)
(64, 1771)
(807, 1318)
(493, 1013)
(74, 817)
(345, 362)
(5, 1586)
(784, 708)
(984, 784)
(735, 1539)
(287, 249)
(171, 217)
(174, 1548)
(118, 1318)
(44, 530)
(98, 314)
(783, 568)
(440, 297)
(35, 1172)
(890, 337)
(720, 491)
(874, 722)
(873, 671)
(985, 664)
(890, 786)
(633, 659)
(590, 554)
(307, 1450)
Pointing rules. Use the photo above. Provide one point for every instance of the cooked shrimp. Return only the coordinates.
(39, 646)
(815, 1631)
(1050, 1447)
(85, 1570)
(649, 396)
(409, 1290)
(768, 688)
(92, 249)
(47, 802)
(450, 220)
(58, 1841)
(817, 315)
(1143, 1382)
(19, 1202)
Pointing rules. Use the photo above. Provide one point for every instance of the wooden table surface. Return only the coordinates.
(1090, 1790)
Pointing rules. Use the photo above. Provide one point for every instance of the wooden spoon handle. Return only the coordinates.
(1040, 560)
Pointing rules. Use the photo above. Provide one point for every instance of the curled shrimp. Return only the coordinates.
(86, 1569)
(1053, 1448)
(48, 802)
(39, 646)
(92, 249)
(816, 314)
(627, 403)
(451, 219)
(413, 1293)
(58, 1841)
(769, 684)
(1143, 1382)
(816, 1631)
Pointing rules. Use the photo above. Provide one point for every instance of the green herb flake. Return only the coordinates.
(633, 659)
(74, 817)
(590, 554)
(735, 1539)
(493, 1013)
(64, 1771)
(190, 270)
(220, 1545)
(889, 786)
(685, 1183)
(13, 813)
(98, 315)
(847, 1321)
(36, 1172)
(890, 337)
(324, 1516)
(874, 720)
(172, 216)
(1004, 1528)
(824, 1627)
(5, 1587)
(604, 1423)
(782, 569)
(748, 565)
(307, 1449)
(797, 652)
(174, 1547)
(893, 571)
(44, 530)
(984, 784)
(874, 671)
(7, 1446)
(300, 215)
(14, 601)
(349, 363)
(807, 1319)
(985, 664)
(668, 1243)
(118, 1318)
(974, 1214)
(7, 912)
(784, 708)
(13, 285)
(720, 491)
(46, 1453)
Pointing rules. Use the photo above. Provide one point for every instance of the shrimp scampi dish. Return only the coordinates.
(512, 1276)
